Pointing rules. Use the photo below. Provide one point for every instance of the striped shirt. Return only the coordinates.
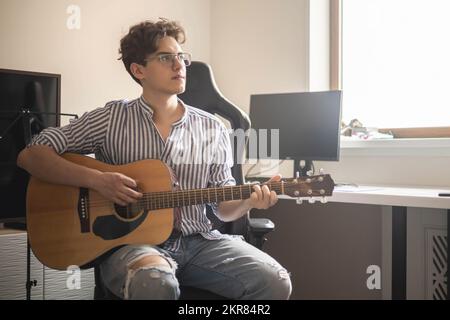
(198, 150)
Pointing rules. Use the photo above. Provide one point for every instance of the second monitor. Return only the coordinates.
(308, 125)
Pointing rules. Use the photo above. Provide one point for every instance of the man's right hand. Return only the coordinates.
(116, 187)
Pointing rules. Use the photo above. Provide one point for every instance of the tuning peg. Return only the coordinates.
(299, 200)
(309, 173)
(321, 171)
(311, 200)
(297, 174)
(324, 200)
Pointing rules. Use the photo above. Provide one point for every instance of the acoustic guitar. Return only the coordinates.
(74, 226)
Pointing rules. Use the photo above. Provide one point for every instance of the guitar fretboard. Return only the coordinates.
(181, 198)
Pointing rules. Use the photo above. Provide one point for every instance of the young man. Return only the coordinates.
(159, 125)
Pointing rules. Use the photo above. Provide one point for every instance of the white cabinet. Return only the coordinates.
(50, 284)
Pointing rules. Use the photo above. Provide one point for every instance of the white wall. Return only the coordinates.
(258, 47)
(318, 44)
(418, 170)
(34, 37)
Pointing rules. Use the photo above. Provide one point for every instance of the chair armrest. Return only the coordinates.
(260, 225)
(257, 229)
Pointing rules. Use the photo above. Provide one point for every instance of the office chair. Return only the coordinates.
(202, 92)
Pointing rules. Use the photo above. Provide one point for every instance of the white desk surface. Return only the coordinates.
(390, 196)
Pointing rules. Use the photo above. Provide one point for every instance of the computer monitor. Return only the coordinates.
(22, 90)
(308, 125)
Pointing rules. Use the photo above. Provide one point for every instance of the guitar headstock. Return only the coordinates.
(310, 187)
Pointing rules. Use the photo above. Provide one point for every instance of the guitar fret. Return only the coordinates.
(158, 204)
(168, 199)
(163, 198)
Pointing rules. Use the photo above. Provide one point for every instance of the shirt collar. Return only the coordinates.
(146, 107)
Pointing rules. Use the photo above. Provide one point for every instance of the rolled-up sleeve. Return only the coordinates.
(220, 169)
(84, 135)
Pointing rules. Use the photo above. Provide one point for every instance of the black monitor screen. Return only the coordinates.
(21, 90)
(308, 124)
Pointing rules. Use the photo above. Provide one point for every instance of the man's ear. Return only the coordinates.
(136, 70)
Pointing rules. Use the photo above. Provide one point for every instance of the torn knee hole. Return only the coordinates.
(148, 261)
(144, 273)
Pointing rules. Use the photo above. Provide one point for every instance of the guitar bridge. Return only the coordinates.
(83, 210)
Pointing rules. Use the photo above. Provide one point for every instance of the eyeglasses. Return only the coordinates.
(168, 59)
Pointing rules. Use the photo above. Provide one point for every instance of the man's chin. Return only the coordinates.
(179, 90)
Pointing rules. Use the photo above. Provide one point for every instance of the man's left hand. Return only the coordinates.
(262, 197)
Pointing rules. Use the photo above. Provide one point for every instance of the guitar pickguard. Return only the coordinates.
(110, 228)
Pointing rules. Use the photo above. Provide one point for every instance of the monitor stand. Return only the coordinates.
(302, 167)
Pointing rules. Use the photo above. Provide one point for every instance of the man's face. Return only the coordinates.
(168, 76)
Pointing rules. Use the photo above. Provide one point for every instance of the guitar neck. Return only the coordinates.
(181, 198)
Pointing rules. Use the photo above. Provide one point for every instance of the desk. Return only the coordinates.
(399, 198)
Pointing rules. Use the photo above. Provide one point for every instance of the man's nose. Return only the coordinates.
(177, 63)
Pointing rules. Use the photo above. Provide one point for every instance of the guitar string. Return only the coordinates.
(193, 194)
(187, 196)
(182, 195)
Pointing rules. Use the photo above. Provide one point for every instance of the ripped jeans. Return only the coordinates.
(228, 267)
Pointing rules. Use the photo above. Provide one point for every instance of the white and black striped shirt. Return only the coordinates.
(197, 149)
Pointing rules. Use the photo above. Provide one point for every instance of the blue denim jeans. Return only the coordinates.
(228, 267)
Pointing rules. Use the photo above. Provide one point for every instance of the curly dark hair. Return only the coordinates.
(142, 39)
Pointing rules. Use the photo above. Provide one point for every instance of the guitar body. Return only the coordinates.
(61, 234)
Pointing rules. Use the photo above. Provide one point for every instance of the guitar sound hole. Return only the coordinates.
(129, 212)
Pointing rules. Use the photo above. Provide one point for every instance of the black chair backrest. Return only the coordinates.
(202, 92)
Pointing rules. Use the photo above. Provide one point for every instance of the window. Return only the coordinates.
(395, 63)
